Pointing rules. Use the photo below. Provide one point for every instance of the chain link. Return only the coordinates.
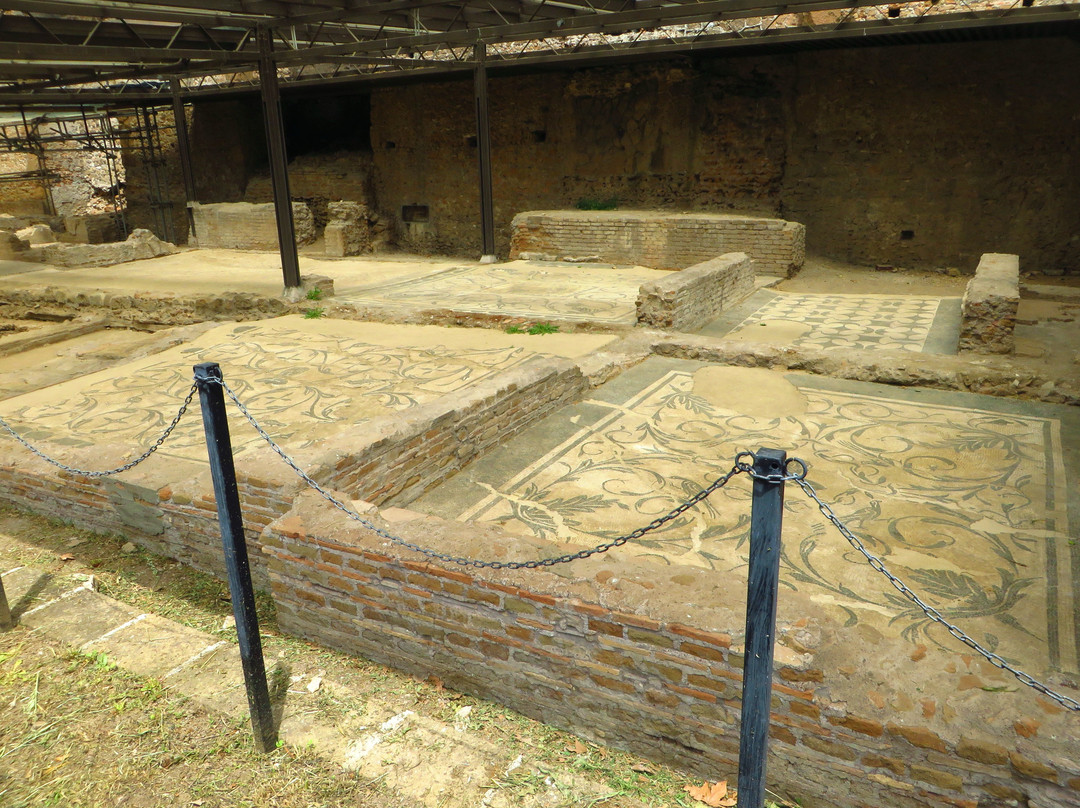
(930, 611)
(109, 472)
(460, 561)
(786, 477)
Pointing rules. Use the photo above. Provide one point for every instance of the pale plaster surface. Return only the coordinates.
(217, 271)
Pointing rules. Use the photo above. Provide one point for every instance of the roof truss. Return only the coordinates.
(76, 52)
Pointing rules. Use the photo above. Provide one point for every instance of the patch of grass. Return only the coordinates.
(100, 736)
(534, 329)
(316, 313)
(315, 293)
(597, 203)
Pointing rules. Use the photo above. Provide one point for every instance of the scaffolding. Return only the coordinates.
(146, 136)
(102, 132)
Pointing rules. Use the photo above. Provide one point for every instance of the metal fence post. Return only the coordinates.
(766, 517)
(5, 612)
(219, 447)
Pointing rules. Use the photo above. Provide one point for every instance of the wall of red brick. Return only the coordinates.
(962, 146)
(387, 457)
(641, 673)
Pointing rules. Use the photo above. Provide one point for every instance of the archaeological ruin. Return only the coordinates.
(506, 281)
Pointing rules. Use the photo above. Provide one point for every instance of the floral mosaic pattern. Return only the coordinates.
(519, 290)
(852, 321)
(301, 388)
(965, 505)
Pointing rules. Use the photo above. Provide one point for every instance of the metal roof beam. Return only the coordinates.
(93, 54)
(18, 28)
(616, 22)
(132, 11)
(870, 32)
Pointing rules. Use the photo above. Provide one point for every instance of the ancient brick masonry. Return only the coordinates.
(243, 226)
(659, 240)
(695, 296)
(398, 457)
(551, 646)
(991, 300)
(178, 521)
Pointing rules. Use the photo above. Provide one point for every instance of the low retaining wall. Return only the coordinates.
(608, 647)
(387, 457)
(399, 457)
(991, 300)
(247, 226)
(177, 520)
(156, 308)
(659, 240)
(689, 299)
(632, 666)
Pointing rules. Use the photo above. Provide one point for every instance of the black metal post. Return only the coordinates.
(279, 161)
(184, 147)
(483, 152)
(766, 518)
(219, 448)
(5, 612)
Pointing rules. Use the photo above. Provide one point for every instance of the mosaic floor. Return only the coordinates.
(529, 289)
(964, 496)
(301, 378)
(925, 324)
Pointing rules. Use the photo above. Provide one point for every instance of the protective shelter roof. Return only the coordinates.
(77, 52)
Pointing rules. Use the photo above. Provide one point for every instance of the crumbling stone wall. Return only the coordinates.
(991, 301)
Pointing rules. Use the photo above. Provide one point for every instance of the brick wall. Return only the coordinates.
(178, 520)
(397, 457)
(919, 156)
(168, 183)
(326, 177)
(605, 646)
(659, 240)
(21, 197)
(697, 295)
(389, 457)
(647, 673)
(245, 226)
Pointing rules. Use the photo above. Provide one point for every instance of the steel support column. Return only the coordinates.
(279, 162)
(483, 153)
(184, 147)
